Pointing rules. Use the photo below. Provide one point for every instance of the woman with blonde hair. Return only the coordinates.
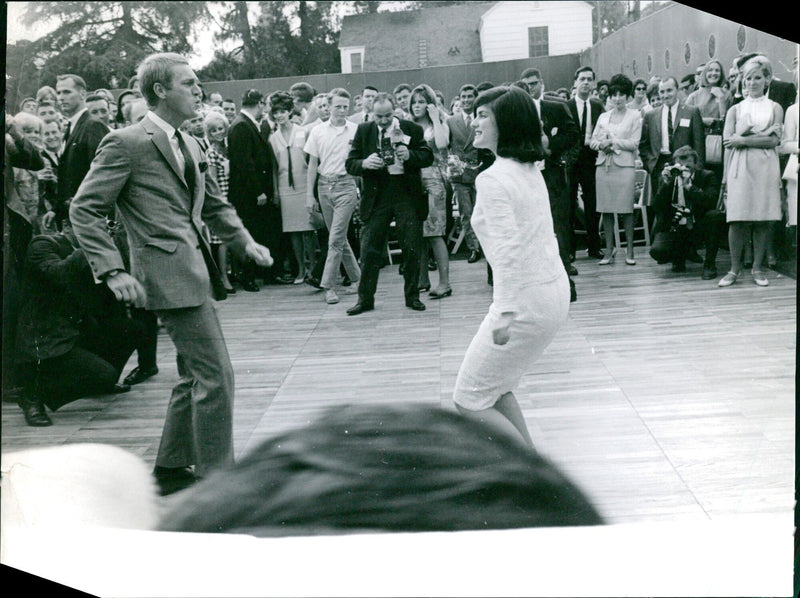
(216, 127)
(752, 176)
(713, 101)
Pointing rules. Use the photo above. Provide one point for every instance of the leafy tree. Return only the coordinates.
(104, 41)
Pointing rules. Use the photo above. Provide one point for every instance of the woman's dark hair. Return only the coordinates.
(427, 93)
(639, 82)
(280, 100)
(383, 468)
(652, 91)
(120, 118)
(622, 84)
(519, 131)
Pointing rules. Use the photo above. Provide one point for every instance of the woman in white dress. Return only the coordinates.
(531, 291)
(287, 143)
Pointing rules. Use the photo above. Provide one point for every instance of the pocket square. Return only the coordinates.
(203, 166)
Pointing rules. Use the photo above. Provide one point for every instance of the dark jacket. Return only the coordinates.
(365, 143)
(701, 198)
(75, 160)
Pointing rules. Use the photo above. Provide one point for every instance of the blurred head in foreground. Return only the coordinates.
(381, 468)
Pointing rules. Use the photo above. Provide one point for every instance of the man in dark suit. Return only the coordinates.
(388, 154)
(562, 150)
(252, 186)
(81, 139)
(461, 137)
(667, 128)
(703, 224)
(585, 111)
(155, 177)
(781, 92)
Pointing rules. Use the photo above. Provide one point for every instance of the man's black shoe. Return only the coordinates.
(709, 273)
(35, 414)
(573, 294)
(283, 279)
(312, 281)
(416, 305)
(251, 286)
(679, 267)
(120, 388)
(173, 479)
(694, 257)
(572, 270)
(474, 256)
(139, 374)
(360, 308)
(596, 253)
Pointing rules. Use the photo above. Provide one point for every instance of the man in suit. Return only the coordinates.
(562, 150)
(155, 178)
(367, 101)
(585, 111)
(704, 224)
(252, 188)
(388, 154)
(782, 93)
(81, 139)
(667, 128)
(461, 137)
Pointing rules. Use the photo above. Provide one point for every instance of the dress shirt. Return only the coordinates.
(665, 132)
(171, 135)
(580, 104)
(72, 121)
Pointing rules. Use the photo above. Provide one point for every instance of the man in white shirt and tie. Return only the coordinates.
(367, 99)
(585, 111)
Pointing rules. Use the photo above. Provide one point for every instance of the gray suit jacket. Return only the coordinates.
(136, 171)
(687, 130)
(461, 138)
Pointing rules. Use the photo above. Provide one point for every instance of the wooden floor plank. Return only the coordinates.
(663, 396)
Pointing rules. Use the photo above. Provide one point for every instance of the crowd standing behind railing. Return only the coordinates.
(725, 128)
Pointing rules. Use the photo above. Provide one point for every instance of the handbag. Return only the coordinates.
(714, 143)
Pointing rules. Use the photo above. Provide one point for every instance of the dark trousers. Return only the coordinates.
(146, 323)
(560, 208)
(655, 174)
(709, 230)
(583, 174)
(392, 202)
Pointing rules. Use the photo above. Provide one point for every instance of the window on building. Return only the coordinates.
(538, 44)
(356, 65)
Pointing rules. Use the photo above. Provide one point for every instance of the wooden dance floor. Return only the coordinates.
(664, 397)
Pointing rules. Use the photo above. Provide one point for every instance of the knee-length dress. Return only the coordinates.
(752, 175)
(513, 224)
(615, 174)
(289, 154)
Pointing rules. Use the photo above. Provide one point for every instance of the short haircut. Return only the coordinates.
(531, 72)
(584, 69)
(302, 91)
(667, 79)
(522, 85)
(97, 97)
(467, 87)
(214, 117)
(229, 101)
(340, 92)
(652, 90)
(77, 80)
(483, 86)
(251, 97)
(563, 90)
(401, 87)
(622, 84)
(132, 81)
(384, 97)
(280, 100)
(601, 83)
(46, 90)
(519, 131)
(686, 150)
(640, 82)
(26, 100)
(366, 87)
(26, 118)
(742, 58)
(157, 68)
(389, 468)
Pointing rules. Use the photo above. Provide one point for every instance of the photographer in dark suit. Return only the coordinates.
(685, 207)
(388, 154)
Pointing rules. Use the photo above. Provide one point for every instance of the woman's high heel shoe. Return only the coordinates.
(609, 259)
(436, 294)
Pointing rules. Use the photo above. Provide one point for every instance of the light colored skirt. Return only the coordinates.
(489, 370)
(753, 178)
(615, 187)
(436, 222)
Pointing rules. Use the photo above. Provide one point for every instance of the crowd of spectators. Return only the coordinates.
(719, 146)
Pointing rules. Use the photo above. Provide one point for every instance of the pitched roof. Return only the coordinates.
(443, 28)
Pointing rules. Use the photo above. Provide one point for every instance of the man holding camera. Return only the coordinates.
(388, 154)
(685, 207)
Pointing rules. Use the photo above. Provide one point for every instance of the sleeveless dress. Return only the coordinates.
(753, 175)
(294, 215)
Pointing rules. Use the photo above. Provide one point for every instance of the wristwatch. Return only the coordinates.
(111, 273)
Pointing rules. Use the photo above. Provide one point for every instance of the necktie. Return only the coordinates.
(188, 171)
(68, 130)
(669, 128)
(366, 116)
(469, 120)
(583, 122)
(289, 157)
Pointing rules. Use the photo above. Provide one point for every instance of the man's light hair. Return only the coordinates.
(157, 68)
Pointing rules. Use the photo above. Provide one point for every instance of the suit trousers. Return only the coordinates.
(338, 198)
(583, 174)
(147, 337)
(198, 429)
(392, 202)
(465, 196)
(558, 192)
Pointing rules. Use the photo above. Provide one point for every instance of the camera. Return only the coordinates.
(386, 151)
(676, 169)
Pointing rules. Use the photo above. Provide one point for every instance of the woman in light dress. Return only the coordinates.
(530, 297)
(615, 138)
(752, 174)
